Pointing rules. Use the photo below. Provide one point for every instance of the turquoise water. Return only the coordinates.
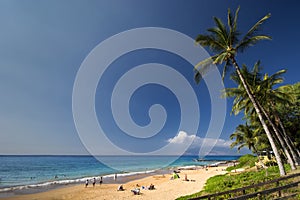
(25, 172)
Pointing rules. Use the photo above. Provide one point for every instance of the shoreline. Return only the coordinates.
(57, 184)
(107, 178)
(31, 173)
(165, 187)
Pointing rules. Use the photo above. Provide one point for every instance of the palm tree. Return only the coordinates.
(262, 89)
(290, 115)
(241, 100)
(225, 43)
(273, 97)
(244, 137)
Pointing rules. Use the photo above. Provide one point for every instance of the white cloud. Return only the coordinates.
(182, 138)
(213, 142)
(202, 146)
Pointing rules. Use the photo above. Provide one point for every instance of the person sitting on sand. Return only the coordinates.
(174, 176)
(86, 182)
(136, 191)
(120, 188)
(151, 187)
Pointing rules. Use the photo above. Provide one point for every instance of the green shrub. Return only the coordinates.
(247, 160)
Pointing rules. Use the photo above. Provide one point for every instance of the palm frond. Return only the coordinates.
(229, 18)
(209, 41)
(219, 36)
(221, 26)
(206, 62)
(278, 75)
(250, 41)
(229, 92)
(232, 24)
(251, 38)
(235, 19)
(256, 26)
(286, 92)
(225, 69)
(202, 68)
(220, 58)
(256, 68)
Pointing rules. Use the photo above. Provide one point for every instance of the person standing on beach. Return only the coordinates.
(101, 180)
(185, 177)
(115, 177)
(94, 182)
(86, 182)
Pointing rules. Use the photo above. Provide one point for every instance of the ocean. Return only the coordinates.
(29, 174)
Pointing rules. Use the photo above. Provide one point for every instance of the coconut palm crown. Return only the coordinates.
(224, 41)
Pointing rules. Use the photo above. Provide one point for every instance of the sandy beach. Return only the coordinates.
(165, 188)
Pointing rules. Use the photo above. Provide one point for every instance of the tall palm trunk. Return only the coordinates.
(260, 116)
(287, 140)
(280, 139)
(297, 150)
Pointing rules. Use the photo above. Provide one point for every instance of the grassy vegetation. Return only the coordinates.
(231, 181)
(245, 161)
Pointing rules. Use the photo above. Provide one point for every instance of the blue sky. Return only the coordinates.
(43, 44)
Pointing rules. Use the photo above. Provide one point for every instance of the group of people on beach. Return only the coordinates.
(100, 182)
(94, 181)
(136, 191)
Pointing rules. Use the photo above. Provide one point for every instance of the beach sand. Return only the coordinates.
(165, 188)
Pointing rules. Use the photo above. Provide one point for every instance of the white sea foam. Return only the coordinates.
(190, 167)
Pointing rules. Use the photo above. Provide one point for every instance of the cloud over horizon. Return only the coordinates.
(216, 146)
(181, 138)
